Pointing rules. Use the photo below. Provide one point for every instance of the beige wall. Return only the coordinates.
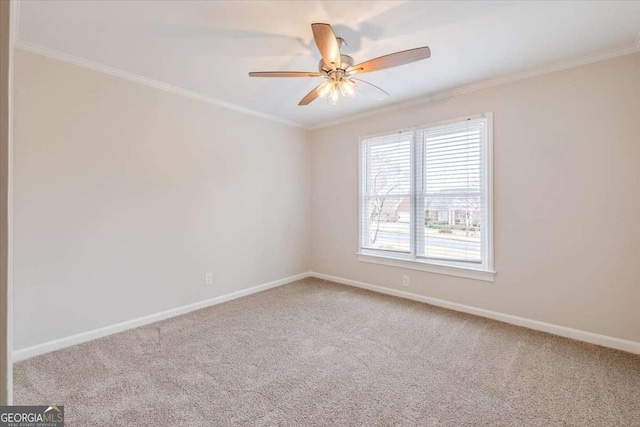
(125, 196)
(567, 201)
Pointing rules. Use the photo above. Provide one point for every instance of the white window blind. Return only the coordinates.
(425, 194)
(387, 192)
(450, 192)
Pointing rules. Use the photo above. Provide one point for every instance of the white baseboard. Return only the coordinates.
(603, 340)
(58, 344)
(576, 334)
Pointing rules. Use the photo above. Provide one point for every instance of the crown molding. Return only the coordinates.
(498, 81)
(509, 78)
(54, 54)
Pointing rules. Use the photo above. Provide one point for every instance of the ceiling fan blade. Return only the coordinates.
(372, 90)
(391, 60)
(310, 97)
(284, 74)
(327, 43)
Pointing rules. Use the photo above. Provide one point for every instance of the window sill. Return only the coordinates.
(430, 266)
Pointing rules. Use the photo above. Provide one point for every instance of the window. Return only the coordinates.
(426, 198)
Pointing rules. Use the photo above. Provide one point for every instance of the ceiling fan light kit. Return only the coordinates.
(338, 69)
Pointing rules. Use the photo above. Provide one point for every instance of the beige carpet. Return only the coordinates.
(314, 353)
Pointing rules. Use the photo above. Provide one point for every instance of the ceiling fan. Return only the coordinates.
(338, 70)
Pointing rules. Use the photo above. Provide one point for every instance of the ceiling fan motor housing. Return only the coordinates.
(346, 63)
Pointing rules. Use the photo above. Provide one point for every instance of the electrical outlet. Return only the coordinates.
(405, 281)
(208, 279)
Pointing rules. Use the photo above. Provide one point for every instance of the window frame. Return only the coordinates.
(411, 260)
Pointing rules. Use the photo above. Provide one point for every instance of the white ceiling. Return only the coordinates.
(209, 47)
